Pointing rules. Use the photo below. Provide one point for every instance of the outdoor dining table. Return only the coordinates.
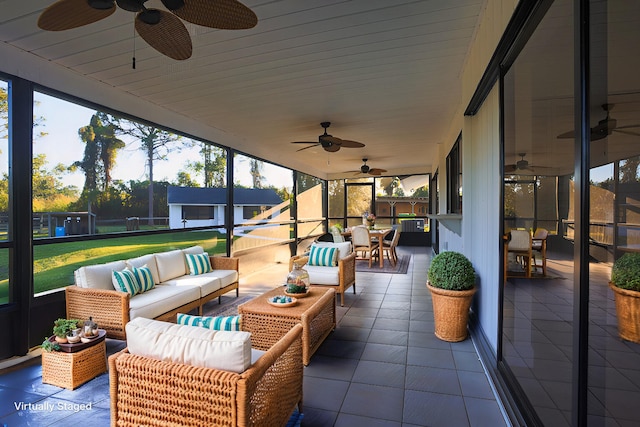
(376, 235)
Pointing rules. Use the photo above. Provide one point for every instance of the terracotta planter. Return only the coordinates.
(451, 313)
(628, 311)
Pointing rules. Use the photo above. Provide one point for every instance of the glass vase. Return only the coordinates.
(297, 280)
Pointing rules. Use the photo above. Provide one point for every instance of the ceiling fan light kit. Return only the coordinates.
(162, 30)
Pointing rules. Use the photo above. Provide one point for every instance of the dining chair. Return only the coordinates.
(539, 247)
(389, 247)
(361, 240)
(520, 246)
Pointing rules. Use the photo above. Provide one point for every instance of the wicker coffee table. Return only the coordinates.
(267, 324)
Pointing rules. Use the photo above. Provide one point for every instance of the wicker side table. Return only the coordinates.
(70, 370)
(267, 324)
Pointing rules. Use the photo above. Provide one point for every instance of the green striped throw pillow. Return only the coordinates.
(125, 281)
(323, 257)
(144, 278)
(221, 323)
(198, 263)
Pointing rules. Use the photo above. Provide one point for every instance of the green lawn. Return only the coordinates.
(54, 264)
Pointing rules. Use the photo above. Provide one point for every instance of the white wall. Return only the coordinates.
(481, 207)
(478, 233)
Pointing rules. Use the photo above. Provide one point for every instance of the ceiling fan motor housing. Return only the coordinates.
(101, 4)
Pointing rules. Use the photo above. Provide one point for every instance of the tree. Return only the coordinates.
(155, 143)
(101, 147)
(4, 117)
(213, 168)
(49, 193)
(256, 172)
(4, 114)
(629, 169)
(185, 180)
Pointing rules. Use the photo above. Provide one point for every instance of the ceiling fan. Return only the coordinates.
(605, 127)
(521, 165)
(162, 29)
(368, 170)
(330, 143)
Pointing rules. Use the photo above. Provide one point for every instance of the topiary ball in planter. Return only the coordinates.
(452, 285)
(625, 273)
(625, 284)
(453, 271)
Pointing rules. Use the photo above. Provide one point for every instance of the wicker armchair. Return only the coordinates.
(110, 308)
(346, 273)
(156, 393)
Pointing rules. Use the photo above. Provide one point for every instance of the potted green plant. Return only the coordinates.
(62, 329)
(625, 284)
(451, 280)
(48, 345)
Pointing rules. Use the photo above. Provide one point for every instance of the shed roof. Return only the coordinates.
(218, 196)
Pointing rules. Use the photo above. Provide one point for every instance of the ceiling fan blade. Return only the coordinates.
(351, 144)
(168, 36)
(628, 132)
(628, 127)
(305, 148)
(222, 14)
(570, 134)
(304, 142)
(68, 14)
(511, 168)
(376, 171)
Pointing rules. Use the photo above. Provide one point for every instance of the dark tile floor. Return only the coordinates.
(382, 366)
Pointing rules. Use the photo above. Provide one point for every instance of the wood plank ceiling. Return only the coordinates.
(385, 73)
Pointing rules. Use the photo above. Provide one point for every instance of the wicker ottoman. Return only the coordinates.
(267, 324)
(70, 370)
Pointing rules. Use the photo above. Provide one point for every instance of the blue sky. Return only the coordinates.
(62, 144)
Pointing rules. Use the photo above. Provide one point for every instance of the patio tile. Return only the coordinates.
(335, 368)
(348, 420)
(383, 403)
(434, 409)
(435, 380)
(324, 394)
(380, 373)
(483, 412)
(388, 337)
(385, 353)
(435, 358)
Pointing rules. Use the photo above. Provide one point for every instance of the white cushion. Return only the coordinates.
(98, 276)
(323, 275)
(170, 265)
(224, 350)
(149, 261)
(226, 277)
(344, 248)
(193, 250)
(206, 283)
(161, 299)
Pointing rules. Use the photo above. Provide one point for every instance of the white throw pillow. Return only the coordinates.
(98, 276)
(170, 265)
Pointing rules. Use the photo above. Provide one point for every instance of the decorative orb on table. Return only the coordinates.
(297, 280)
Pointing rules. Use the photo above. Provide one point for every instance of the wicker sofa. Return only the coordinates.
(175, 290)
(151, 392)
(339, 277)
